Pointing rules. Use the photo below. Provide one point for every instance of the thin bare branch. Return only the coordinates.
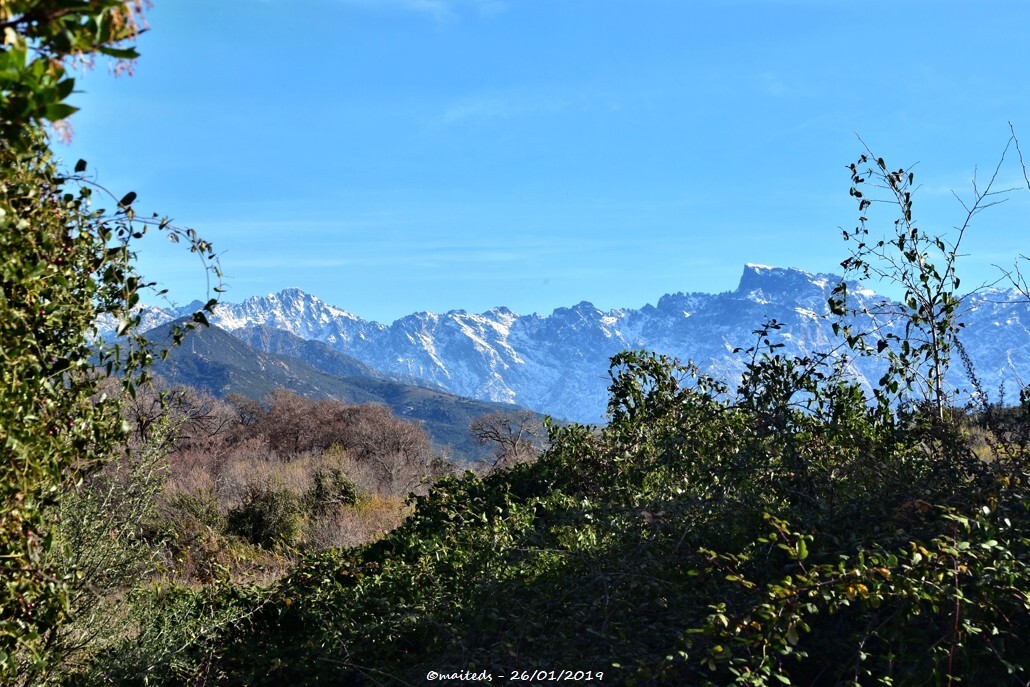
(1022, 163)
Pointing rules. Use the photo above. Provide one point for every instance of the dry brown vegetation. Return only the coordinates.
(251, 485)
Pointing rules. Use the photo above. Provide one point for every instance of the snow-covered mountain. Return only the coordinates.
(558, 364)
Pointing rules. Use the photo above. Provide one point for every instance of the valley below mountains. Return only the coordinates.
(558, 364)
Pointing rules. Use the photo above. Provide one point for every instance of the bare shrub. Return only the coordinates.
(248, 485)
(289, 423)
(515, 437)
(361, 523)
(239, 476)
(208, 423)
(397, 455)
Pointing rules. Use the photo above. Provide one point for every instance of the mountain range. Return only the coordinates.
(557, 364)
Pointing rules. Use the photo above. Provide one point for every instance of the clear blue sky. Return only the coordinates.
(391, 156)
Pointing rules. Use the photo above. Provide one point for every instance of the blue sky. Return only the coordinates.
(391, 156)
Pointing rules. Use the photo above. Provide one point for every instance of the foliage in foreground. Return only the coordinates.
(66, 263)
(697, 539)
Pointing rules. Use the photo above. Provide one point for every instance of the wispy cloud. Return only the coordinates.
(438, 9)
(790, 85)
(485, 106)
(773, 85)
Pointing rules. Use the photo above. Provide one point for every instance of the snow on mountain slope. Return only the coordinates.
(558, 363)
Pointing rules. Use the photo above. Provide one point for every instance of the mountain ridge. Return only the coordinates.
(557, 363)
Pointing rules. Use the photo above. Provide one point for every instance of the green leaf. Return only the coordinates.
(65, 88)
(55, 112)
(119, 53)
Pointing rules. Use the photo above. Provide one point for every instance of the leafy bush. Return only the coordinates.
(194, 525)
(331, 489)
(269, 516)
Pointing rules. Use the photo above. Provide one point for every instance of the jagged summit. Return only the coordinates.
(783, 280)
(290, 292)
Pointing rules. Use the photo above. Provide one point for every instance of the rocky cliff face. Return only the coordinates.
(558, 363)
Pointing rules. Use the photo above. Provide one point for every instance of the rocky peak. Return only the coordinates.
(782, 285)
